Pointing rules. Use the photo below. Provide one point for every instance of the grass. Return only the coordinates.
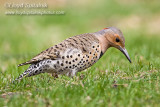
(112, 81)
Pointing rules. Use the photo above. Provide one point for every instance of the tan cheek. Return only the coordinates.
(122, 45)
(119, 43)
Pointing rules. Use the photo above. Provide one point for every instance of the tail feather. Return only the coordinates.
(24, 74)
(23, 64)
(33, 61)
(34, 69)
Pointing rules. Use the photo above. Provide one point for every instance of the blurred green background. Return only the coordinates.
(24, 36)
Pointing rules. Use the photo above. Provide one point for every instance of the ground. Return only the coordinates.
(112, 81)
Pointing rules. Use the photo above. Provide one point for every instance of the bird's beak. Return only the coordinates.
(124, 51)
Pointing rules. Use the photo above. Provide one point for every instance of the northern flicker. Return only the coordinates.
(75, 53)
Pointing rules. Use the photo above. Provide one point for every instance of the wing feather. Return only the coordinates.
(82, 42)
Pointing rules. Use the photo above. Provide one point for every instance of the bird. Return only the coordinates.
(76, 53)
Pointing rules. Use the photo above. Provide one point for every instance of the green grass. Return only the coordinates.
(112, 81)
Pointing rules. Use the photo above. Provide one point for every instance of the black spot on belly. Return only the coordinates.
(62, 57)
(57, 62)
(48, 61)
(36, 71)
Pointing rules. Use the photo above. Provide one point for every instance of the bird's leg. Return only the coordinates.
(72, 73)
(55, 75)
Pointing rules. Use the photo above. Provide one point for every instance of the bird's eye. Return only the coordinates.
(117, 40)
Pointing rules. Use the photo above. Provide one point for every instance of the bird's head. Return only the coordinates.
(116, 39)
